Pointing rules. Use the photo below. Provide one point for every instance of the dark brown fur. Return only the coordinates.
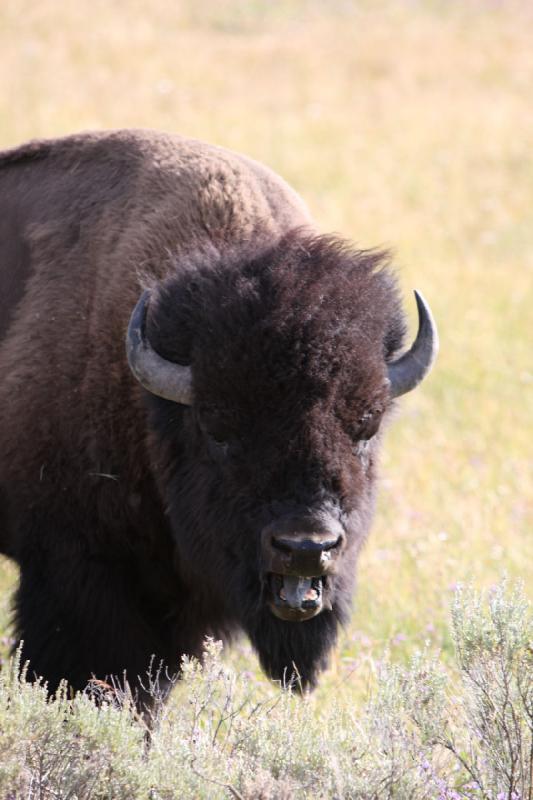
(136, 533)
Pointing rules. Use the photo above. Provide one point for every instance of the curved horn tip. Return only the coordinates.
(414, 365)
(426, 318)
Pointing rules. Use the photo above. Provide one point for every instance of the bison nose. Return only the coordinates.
(307, 555)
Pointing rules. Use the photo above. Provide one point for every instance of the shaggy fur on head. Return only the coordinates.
(288, 352)
(136, 522)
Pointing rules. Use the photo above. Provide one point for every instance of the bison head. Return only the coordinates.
(269, 378)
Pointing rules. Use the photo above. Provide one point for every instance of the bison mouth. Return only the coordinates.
(295, 598)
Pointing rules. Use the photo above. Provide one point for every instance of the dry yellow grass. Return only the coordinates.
(408, 124)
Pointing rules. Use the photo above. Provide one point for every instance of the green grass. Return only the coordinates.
(408, 124)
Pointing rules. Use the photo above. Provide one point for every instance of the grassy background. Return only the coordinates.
(407, 124)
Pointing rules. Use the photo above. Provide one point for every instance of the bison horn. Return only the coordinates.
(410, 369)
(161, 377)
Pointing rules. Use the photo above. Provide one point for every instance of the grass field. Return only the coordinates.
(405, 124)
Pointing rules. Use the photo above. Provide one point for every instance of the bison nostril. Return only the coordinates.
(288, 544)
(282, 544)
(331, 544)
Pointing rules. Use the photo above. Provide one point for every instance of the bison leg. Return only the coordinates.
(80, 618)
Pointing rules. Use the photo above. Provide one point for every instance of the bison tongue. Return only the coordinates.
(296, 590)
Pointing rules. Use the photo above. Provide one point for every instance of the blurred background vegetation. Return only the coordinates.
(402, 123)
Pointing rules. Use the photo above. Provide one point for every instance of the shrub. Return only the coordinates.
(423, 732)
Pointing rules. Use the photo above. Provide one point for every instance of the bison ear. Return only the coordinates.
(410, 369)
(163, 378)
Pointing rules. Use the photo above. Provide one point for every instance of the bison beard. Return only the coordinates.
(221, 478)
(291, 653)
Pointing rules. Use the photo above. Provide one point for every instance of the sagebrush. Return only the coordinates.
(423, 732)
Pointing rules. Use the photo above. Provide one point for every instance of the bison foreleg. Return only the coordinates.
(80, 618)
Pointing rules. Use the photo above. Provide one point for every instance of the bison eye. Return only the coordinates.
(223, 449)
(219, 435)
(217, 449)
(367, 425)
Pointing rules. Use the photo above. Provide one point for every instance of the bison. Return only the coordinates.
(194, 381)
